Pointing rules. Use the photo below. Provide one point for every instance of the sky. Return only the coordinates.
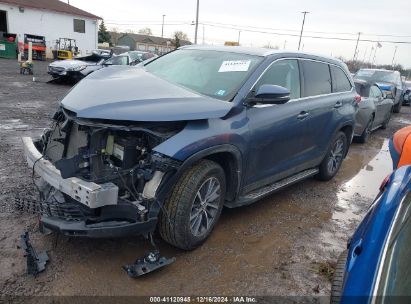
(280, 21)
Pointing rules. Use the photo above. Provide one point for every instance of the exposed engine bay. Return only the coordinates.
(116, 160)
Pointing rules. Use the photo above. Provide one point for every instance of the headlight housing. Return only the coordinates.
(77, 69)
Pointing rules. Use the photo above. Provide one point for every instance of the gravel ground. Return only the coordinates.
(286, 244)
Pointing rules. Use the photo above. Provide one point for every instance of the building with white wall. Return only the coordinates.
(52, 19)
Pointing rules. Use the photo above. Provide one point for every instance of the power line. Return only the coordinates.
(308, 36)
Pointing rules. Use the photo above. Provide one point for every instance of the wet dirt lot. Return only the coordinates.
(284, 245)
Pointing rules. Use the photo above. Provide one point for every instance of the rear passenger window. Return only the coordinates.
(340, 80)
(283, 73)
(317, 78)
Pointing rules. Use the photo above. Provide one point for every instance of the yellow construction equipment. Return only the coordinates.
(66, 48)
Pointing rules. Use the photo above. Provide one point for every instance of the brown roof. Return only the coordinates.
(152, 39)
(51, 5)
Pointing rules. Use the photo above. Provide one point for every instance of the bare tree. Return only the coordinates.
(146, 31)
(180, 35)
(269, 46)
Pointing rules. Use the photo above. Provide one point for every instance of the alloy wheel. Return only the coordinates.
(336, 156)
(205, 206)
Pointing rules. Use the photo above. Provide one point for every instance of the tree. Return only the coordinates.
(103, 34)
(146, 31)
(181, 35)
(269, 46)
(176, 41)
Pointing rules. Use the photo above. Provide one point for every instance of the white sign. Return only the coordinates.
(235, 66)
(2, 47)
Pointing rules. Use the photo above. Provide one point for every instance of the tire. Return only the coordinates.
(387, 120)
(338, 278)
(362, 139)
(334, 157)
(184, 222)
(397, 107)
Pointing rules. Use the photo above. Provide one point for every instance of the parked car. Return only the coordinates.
(389, 81)
(169, 144)
(374, 109)
(78, 68)
(375, 266)
(407, 93)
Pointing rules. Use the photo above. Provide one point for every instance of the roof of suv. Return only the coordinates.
(260, 52)
(379, 70)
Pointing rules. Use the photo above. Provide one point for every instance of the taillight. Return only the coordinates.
(384, 183)
(357, 98)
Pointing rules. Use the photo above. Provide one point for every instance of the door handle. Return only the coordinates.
(303, 115)
(338, 104)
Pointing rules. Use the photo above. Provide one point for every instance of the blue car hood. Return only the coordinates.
(132, 94)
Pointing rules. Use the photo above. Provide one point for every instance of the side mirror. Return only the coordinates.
(384, 95)
(272, 94)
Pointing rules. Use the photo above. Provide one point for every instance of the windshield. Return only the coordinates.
(212, 73)
(136, 56)
(377, 76)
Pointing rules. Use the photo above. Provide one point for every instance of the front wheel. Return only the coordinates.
(334, 157)
(338, 279)
(387, 120)
(194, 206)
(367, 131)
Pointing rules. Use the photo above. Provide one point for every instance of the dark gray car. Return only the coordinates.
(375, 109)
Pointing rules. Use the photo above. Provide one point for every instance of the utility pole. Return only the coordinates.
(302, 28)
(356, 46)
(162, 27)
(393, 57)
(203, 34)
(285, 43)
(239, 33)
(195, 34)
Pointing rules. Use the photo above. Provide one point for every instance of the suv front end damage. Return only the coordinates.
(100, 179)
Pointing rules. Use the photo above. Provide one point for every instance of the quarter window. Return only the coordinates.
(317, 78)
(341, 83)
(375, 92)
(79, 26)
(283, 73)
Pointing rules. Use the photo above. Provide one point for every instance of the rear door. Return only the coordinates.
(324, 106)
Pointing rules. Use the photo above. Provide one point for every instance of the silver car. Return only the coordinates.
(374, 110)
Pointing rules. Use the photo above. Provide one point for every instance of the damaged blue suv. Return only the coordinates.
(165, 146)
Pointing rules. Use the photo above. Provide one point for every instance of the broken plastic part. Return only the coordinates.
(36, 263)
(150, 262)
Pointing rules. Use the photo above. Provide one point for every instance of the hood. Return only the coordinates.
(131, 93)
(70, 63)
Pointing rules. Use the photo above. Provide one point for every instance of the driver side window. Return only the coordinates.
(283, 73)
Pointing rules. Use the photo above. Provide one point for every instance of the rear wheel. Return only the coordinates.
(194, 206)
(338, 279)
(367, 131)
(334, 157)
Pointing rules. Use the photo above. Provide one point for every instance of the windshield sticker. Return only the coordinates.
(235, 66)
(220, 92)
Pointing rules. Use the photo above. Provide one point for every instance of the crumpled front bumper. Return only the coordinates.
(114, 218)
(88, 193)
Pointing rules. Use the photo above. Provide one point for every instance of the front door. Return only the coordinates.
(278, 132)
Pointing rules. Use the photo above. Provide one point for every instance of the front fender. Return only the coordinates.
(172, 179)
